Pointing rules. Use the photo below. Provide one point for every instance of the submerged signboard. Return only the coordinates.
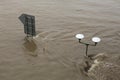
(29, 24)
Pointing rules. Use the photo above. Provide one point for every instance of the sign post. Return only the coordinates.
(29, 24)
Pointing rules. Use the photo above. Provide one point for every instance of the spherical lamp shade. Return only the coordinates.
(79, 36)
(96, 39)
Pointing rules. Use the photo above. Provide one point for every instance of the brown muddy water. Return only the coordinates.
(56, 53)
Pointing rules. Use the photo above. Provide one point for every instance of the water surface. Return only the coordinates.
(55, 53)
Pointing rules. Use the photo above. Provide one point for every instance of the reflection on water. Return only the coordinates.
(30, 46)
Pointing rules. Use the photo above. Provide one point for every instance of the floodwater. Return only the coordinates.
(56, 53)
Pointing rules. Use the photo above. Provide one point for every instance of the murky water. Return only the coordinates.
(55, 54)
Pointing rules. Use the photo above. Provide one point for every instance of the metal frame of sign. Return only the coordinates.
(29, 24)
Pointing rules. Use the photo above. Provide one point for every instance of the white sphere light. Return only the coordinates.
(79, 36)
(96, 39)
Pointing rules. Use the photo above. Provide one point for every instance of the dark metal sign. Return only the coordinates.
(29, 24)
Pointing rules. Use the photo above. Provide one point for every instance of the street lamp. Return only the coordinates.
(94, 39)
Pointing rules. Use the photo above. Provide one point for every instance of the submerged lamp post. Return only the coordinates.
(94, 39)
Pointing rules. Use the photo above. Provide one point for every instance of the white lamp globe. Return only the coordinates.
(79, 36)
(96, 39)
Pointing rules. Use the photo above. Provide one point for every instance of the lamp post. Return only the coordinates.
(94, 39)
